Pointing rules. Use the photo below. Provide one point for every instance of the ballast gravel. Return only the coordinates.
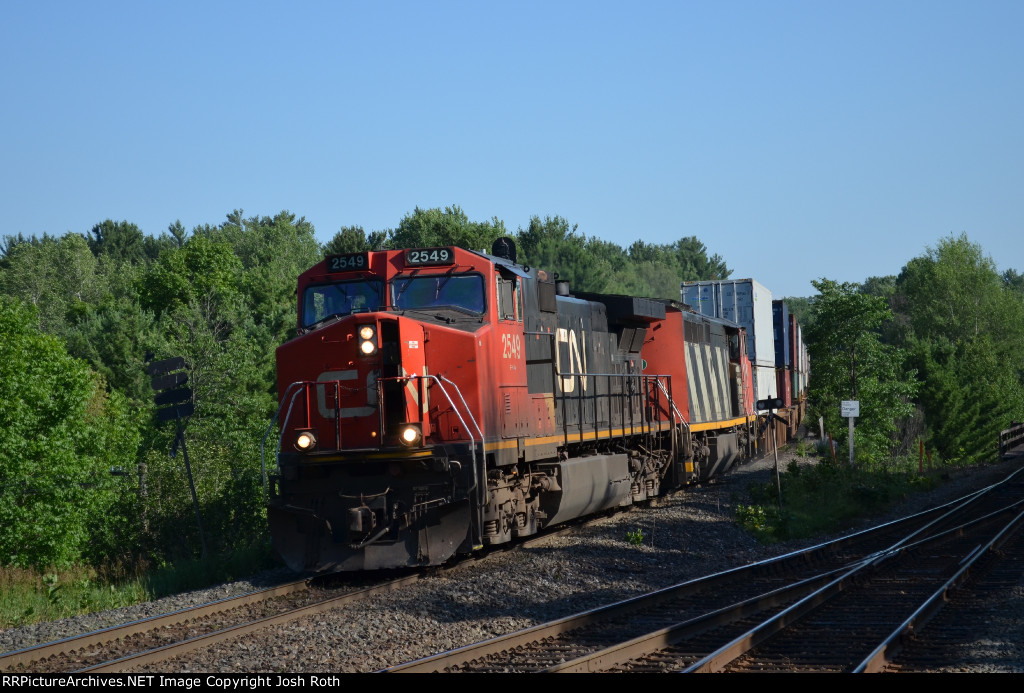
(689, 535)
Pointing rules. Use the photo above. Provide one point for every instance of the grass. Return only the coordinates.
(826, 497)
(28, 596)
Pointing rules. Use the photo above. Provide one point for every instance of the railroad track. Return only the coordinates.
(978, 626)
(160, 638)
(804, 611)
(157, 638)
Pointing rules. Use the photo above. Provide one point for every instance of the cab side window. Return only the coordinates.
(510, 299)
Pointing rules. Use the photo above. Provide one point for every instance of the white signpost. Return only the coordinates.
(850, 408)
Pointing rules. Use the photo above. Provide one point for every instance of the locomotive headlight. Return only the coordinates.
(410, 435)
(305, 441)
(367, 340)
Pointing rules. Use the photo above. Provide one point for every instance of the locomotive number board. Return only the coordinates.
(429, 256)
(349, 262)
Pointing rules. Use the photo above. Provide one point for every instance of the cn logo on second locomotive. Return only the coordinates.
(577, 359)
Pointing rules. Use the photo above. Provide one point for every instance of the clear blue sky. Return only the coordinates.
(795, 139)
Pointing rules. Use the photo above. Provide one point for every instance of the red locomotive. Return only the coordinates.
(439, 400)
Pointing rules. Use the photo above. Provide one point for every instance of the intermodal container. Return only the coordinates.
(744, 302)
(781, 326)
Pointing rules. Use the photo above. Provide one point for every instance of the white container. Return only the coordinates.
(765, 382)
(744, 302)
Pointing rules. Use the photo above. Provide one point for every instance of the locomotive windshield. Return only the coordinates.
(464, 292)
(323, 301)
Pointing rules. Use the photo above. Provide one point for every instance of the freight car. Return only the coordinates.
(436, 401)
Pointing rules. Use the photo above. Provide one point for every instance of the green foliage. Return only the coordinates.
(880, 287)
(759, 520)
(953, 324)
(349, 239)
(954, 290)
(224, 299)
(964, 330)
(802, 309)
(434, 227)
(825, 497)
(967, 397)
(273, 252)
(28, 596)
(1013, 281)
(177, 235)
(119, 241)
(113, 336)
(593, 265)
(635, 537)
(202, 270)
(231, 376)
(227, 334)
(57, 276)
(555, 247)
(60, 433)
(850, 362)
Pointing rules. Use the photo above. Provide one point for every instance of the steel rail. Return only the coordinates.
(645, 644)
(727, 653)
(169, 651)
(935, 521)
(43, 651)
(166, 652)
(615, 655)
(889, 648)
(448, 659)
(27, 656)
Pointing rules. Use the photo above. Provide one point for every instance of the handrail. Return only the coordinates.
(672, 402)
(644, 378)
(1010, 438)
(477, 486)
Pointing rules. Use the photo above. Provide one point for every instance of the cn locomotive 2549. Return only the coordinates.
(440, 400)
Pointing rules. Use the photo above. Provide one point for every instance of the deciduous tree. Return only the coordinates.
(61, 432)
(850, 362)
